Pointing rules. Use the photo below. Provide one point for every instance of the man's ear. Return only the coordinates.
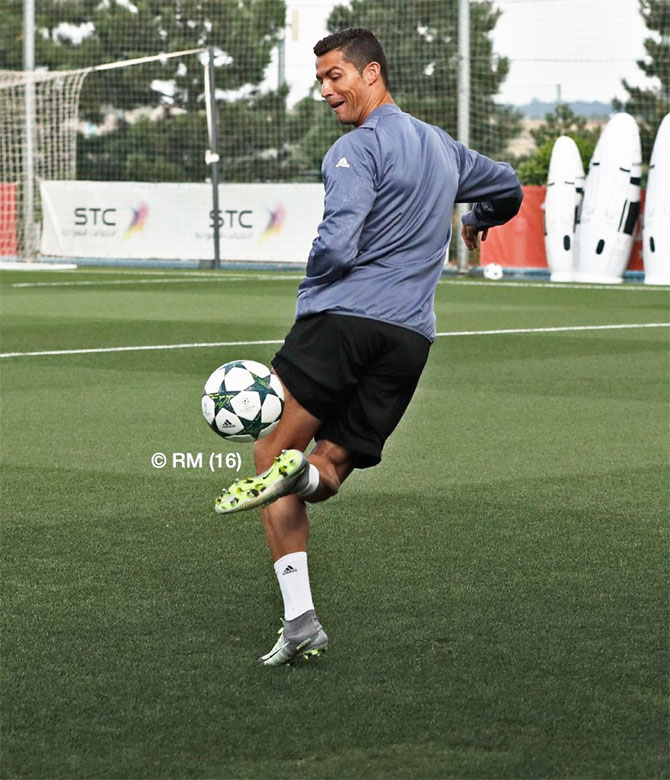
(372, 72)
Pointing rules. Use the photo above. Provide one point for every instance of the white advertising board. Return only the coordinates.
(136, 220)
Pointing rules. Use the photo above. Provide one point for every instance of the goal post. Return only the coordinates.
(212, 153)
(38, 140)
(463, 109)
(40, 120)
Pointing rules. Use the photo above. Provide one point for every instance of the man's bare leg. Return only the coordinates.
(286, 522)
(286, 526)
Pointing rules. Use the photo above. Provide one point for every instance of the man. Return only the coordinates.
(365, 318)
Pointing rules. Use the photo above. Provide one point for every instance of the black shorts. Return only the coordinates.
(355, 374)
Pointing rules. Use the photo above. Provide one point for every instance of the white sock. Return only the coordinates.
(293, 577)
(308, 482)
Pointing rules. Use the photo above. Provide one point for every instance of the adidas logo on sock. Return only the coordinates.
(289, 570)
(342, 163)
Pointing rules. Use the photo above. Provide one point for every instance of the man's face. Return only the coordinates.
(348, 92)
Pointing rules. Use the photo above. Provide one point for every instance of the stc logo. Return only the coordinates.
(138, 221)
(232, 218)
(89, 215)
(274, 223)
(93, 216)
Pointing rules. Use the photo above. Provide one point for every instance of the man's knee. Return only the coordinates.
(334, 464)
(329, 481)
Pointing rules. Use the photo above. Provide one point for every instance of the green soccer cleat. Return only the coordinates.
(302, 638)
(279, 480)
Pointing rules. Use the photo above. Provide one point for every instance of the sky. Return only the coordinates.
(585, 46)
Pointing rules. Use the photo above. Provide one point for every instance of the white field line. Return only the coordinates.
(560, 329)
(201, 345)
(559, 285)
(161, 272)
(185, 277)
(162, 280)
(141, 348)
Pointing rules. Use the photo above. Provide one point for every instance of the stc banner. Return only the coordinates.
(263, 222)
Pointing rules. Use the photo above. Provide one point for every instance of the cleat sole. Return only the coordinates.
(312, 653)
(264, 489)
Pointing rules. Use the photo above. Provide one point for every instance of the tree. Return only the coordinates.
(649, 106)
(82, 33)
(420, 39)
(148, 121)
(11, 36)
(534, 169)
(53, 49)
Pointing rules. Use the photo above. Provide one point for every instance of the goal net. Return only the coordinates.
(54, 123)
(145, 120)
(38, 140)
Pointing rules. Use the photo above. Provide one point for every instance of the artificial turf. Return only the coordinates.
(495, 592)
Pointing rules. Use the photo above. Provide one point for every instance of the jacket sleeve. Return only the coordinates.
(349, 176)
(492, 186)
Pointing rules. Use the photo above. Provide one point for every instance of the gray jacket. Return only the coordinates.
(390, 189)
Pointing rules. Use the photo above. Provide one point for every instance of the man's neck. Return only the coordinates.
(382, 100)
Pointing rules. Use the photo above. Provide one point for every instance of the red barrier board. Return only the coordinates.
(520, 242)
(7, 220)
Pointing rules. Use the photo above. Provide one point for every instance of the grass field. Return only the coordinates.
(495, 592)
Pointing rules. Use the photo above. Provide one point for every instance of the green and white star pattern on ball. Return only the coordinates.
(242, 400)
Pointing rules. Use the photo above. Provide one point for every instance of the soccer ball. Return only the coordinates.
(493, 271)
(242, 400)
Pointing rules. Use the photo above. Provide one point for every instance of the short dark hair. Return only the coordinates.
(359, 46)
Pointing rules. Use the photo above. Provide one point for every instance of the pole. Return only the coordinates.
(463, 106)
(29, 145)
(281, 59)
(212, 154)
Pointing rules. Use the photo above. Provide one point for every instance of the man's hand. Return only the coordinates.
(470, 236)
